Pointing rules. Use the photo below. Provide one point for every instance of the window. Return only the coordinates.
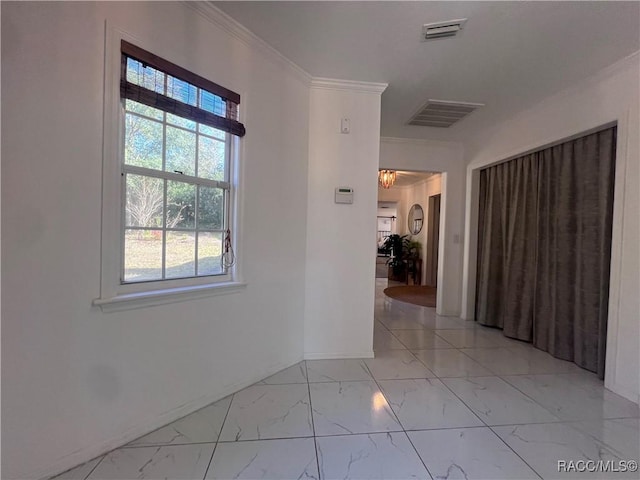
(176, 163)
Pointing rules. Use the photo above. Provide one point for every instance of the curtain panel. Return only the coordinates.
(544, 248)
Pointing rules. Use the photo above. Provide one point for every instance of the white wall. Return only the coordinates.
(611, 95)
(75, 381)
(341, 239)
(445, 157)
(393, 194)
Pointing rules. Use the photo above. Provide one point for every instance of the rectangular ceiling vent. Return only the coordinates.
(442, 113)
(450, 28)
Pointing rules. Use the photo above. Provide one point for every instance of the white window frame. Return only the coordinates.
(164, 174)
(114, 294)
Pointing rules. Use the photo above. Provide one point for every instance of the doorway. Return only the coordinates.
(387, 215)
(433, 240)
(544, 250)
(402, 262)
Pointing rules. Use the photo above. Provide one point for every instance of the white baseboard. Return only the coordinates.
(624, 392)
(149, 425)
(338, 356)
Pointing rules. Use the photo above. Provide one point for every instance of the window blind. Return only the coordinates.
(158, 83)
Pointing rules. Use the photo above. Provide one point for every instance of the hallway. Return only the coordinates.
(443, 398)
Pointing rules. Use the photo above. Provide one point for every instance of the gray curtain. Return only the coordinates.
(508, 193)
(544, 248)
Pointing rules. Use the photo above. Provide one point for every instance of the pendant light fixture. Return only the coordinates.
(386, 178)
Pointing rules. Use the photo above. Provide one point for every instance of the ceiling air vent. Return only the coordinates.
(450, 28)
(442, 113)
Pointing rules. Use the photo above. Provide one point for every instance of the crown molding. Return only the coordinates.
(628, 62)
(614, 68)
(217, 17)
(349, 85)
(433, 178)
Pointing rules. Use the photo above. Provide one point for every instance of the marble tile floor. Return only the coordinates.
(443, 398)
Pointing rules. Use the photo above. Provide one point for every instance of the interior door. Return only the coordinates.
(433, 236)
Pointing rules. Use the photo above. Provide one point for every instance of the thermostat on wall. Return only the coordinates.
(344, 195)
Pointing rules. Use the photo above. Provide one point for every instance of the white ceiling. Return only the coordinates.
(510, 54)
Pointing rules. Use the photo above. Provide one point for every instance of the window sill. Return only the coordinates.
(130, 301)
